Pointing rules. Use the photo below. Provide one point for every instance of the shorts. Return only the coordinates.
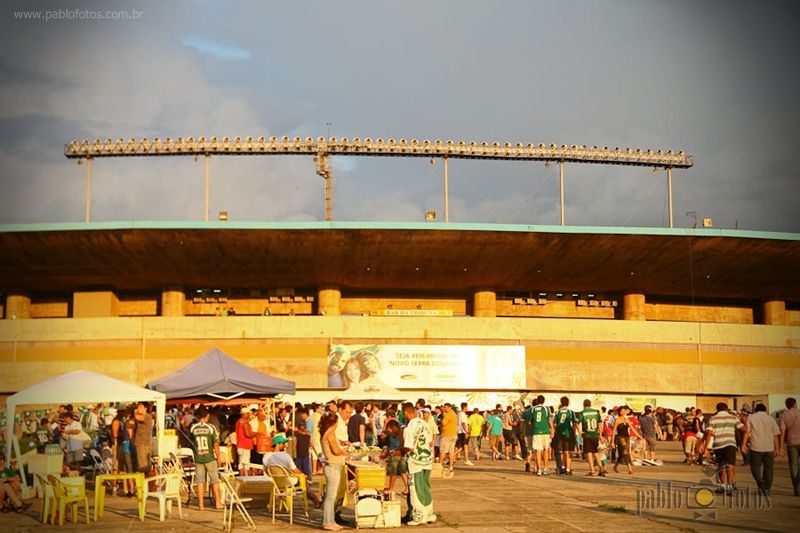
(564, 444)
(493, 440)
(650, 441)
(396, 465)
(73, 457)
(689, 444)
(461, 440)
(509, 437)
(590, 445)
(540, 442)
(206, 470)
(244, 456)
(725, 456)
(124, 461)
(447, 445)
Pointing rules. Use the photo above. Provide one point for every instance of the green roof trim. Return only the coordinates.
(402, 226)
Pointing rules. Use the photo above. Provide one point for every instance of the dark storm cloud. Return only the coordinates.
(715, 78)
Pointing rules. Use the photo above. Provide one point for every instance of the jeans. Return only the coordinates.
(793, 454)
(762, 466)
(333, 475)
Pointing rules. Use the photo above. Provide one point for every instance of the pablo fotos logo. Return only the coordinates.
(703, 499)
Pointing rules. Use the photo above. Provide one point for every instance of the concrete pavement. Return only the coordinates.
(498, 496)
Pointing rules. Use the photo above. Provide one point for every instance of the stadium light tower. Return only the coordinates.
(323, 148)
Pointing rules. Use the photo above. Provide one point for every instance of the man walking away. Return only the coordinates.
(722, 427)
(206, 452)
(764, 442)
(790, 441)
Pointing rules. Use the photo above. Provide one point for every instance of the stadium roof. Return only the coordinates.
(430, 256)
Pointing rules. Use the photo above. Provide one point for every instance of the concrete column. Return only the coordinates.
(172, 300)
(774, 312)
(633, 307)
(329, 301)
(485, 304)
(18, 305)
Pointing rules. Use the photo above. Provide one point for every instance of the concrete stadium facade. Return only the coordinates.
(697, 313)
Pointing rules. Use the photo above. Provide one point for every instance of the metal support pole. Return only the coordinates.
(324, 171)
(88, 188)
(446, 193)
(561, 185)
(669, 191)
(328, 198)
(208, 178)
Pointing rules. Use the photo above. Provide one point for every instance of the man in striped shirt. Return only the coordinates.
(722, 427)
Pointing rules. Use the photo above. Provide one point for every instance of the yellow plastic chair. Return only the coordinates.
(70, 496)
(168, 488)
(284, 490)
(48, 499)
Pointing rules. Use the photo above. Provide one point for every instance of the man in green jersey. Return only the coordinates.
(206, 451)
(539, 429)
(590, 431)
(566, 425)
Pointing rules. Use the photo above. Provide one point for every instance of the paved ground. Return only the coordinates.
(501, 497)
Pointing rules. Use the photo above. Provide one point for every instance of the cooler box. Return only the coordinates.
(391, 515)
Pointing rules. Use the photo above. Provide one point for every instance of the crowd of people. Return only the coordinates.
(412, 437)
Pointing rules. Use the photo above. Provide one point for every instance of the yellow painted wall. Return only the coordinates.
(562, 354)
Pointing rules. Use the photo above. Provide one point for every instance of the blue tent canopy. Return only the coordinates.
(218, 375)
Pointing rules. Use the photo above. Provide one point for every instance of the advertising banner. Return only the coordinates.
(428, 366)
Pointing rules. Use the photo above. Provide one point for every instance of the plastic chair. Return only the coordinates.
(68, 495)
(168, 488)
(175, 466)
(48, 499)
(284, 490)
(232, 499)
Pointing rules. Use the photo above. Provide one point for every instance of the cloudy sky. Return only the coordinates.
(716, 78)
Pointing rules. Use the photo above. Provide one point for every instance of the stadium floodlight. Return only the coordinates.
(322, 149)
(391, 147)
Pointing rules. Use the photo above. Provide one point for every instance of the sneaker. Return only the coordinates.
(413, 523)
(517, 457)
(568, 472)
(468, 463)
(538, 472)
(546, 472)
(432, 519)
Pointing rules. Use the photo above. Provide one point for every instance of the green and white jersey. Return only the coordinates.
(565, 420)
(417, 438)
(590, 423)
(205, 436)
(540, 418)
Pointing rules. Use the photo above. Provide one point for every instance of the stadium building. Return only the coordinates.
(441, 310)
(447, 311)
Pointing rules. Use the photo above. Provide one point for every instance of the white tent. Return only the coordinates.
(80, 387)
(372, 388)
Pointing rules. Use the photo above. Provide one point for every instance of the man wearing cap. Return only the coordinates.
(72, 431)
(244, 439)
(280, 457)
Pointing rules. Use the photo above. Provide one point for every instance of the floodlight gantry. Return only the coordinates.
(323, 148)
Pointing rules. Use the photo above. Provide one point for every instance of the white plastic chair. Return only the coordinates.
(168, 488)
